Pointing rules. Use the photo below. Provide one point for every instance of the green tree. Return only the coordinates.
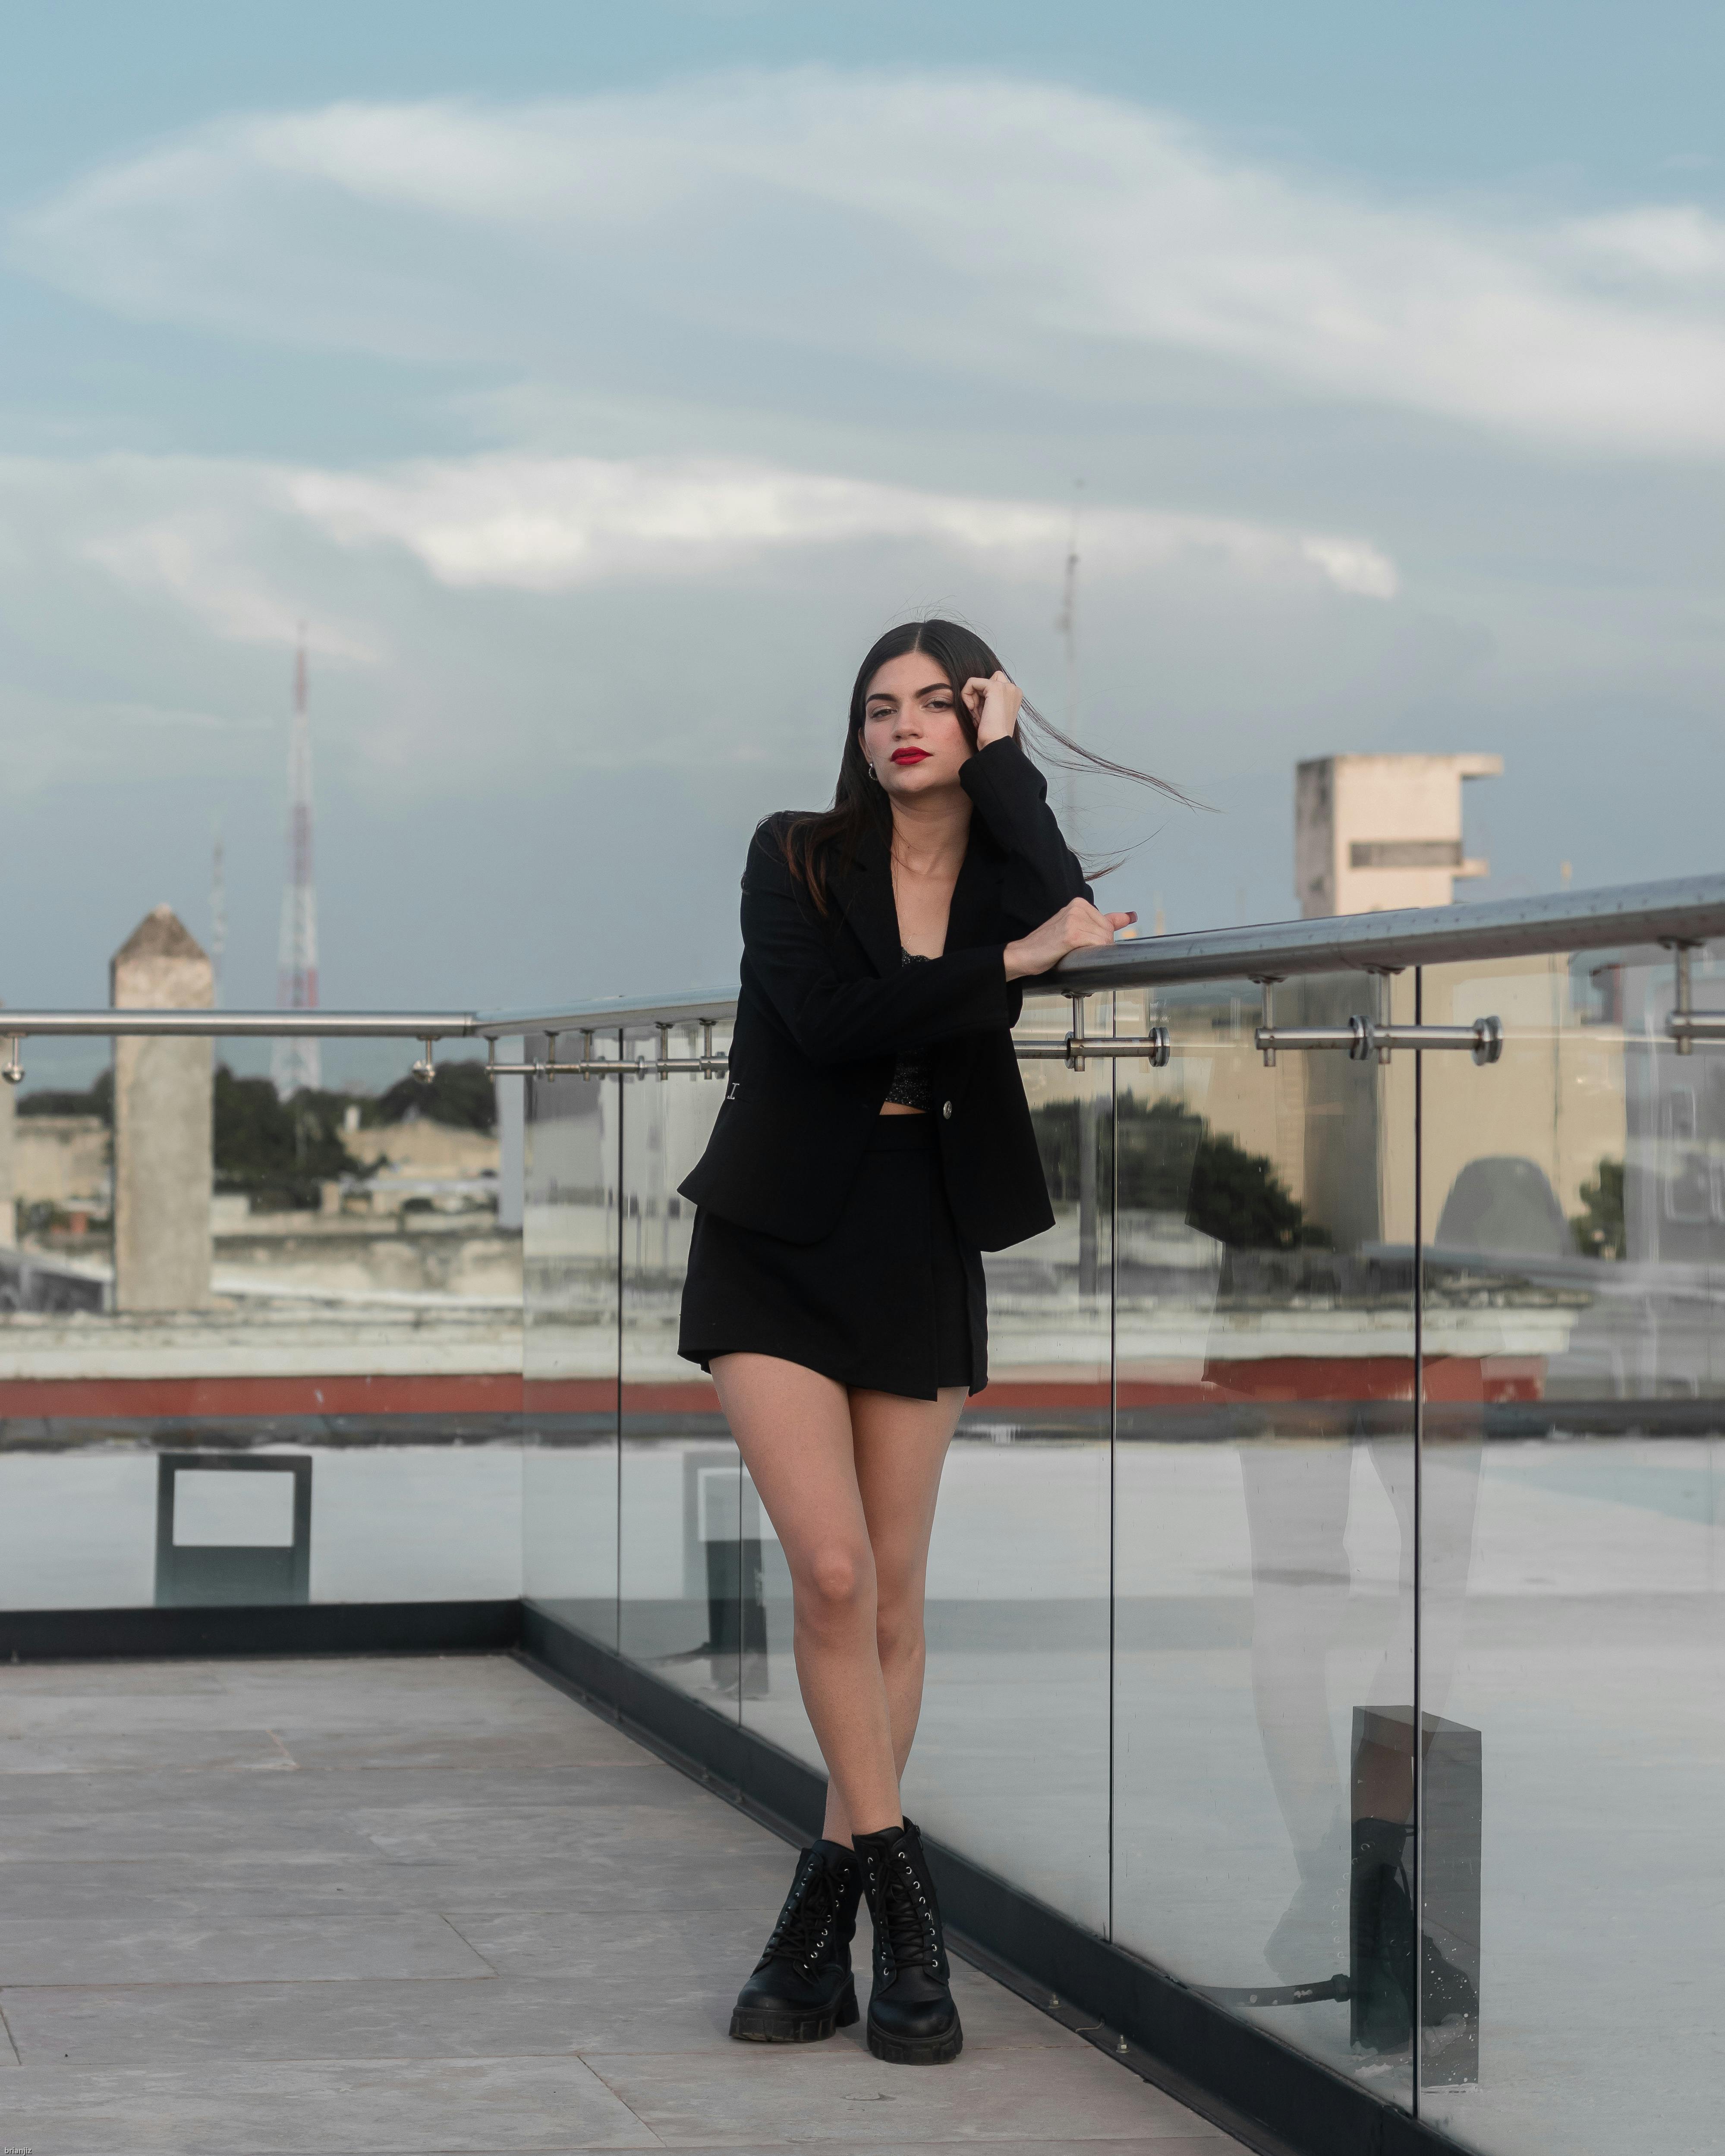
(99, 1100)
(1238, 1198)
(460, 1094)
(1170, 1161)
(277, 1151)
(1598, 1228)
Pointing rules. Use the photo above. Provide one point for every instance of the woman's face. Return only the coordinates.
(911, 732)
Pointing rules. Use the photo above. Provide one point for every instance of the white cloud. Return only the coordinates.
(987, 227)
(197, 558)
(549, 524)
(1680, 245)
(473, 616)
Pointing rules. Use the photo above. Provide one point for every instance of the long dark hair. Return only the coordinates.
(818, 842)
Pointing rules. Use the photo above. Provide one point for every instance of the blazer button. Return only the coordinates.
(947, 1111)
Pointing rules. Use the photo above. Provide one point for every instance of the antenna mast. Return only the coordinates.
(1066, 622)
(297, 1063)
(218, 911)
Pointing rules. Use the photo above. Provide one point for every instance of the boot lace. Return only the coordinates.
(808, 1921)
(907, 1936)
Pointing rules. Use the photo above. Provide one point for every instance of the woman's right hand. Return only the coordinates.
(1077, 927)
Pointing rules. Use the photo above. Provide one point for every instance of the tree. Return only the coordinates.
(1598, 1228)
(460, 1094)
(1170, 1161)
(1238, 1198)
(99, 1100)
(277, 1151)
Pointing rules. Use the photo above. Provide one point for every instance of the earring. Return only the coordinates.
(873, 774)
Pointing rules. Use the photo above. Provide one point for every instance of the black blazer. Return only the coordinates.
(826, 1003)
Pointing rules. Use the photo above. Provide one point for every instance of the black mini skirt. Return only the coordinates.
(892, 1301)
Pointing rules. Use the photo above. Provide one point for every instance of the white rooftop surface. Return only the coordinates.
(344, 1908)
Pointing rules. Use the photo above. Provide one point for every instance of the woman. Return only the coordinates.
(873, 1141)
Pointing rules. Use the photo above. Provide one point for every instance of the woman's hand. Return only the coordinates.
(993, 707)
(1077, 927)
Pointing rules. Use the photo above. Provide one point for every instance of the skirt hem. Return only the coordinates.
(703, 1356)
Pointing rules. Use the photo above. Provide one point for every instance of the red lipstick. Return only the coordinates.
(910, 756)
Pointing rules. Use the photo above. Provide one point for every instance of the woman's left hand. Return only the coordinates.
(994, 705)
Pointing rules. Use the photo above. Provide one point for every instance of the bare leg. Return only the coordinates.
(793, 1428)
(900, 1448)
(836, 1471)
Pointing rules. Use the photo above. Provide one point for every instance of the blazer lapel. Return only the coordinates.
(865, 896)
(971, 916)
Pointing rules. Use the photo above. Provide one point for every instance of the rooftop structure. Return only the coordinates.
(1373, 833)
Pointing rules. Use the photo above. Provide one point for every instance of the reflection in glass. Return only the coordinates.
(1012, 1761)
(1263, 1500)
(573, 1139)
(688, 1593)
(1576, 1192)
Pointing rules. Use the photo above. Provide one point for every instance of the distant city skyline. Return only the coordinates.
(599, 389)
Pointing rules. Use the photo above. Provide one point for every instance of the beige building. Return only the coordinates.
(1373, 833)
(62, 1160)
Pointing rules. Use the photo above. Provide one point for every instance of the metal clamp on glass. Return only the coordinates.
(706, 1064)
(1685, 1025)
(1153, 1046)
(1367, 1041)
(12, 1069)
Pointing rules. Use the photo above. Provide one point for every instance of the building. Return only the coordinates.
(1372, 833)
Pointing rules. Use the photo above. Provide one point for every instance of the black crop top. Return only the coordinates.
(913, 1074)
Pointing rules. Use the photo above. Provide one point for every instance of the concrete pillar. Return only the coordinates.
(8, 1179)
(163, 1108)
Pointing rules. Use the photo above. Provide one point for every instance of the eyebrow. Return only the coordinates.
(886, 696)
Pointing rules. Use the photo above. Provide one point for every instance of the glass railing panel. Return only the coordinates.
(688, 1584)
(1263, 1513)
(1011, 1763)
(570, 1212)
(255, 1351)
(1574, 1569)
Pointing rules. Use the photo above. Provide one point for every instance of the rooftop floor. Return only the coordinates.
(432, 1905)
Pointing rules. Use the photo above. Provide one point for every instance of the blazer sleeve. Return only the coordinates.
(836, 1020)
(1010, 795)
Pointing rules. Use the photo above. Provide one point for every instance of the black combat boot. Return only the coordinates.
(912, 2021)
(802, 1989)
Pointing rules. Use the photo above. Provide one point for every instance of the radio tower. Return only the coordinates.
(297, 1063)
(218, 911)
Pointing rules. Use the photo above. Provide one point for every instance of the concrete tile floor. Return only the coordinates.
(261, 1908)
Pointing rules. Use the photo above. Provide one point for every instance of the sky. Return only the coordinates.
(595, 384)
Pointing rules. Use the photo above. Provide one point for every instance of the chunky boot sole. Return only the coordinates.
(911, 2051)
(762, 2024)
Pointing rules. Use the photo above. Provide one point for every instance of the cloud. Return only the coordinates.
(528, 620)
(551, 523)
(1681, 247)
(196, 558)
(985, 228)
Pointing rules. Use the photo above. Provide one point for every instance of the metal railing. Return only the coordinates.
(1680, 916)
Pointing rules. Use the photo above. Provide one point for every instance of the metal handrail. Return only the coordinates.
(249, 1025)
(1688, 910)
(1683, 912)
